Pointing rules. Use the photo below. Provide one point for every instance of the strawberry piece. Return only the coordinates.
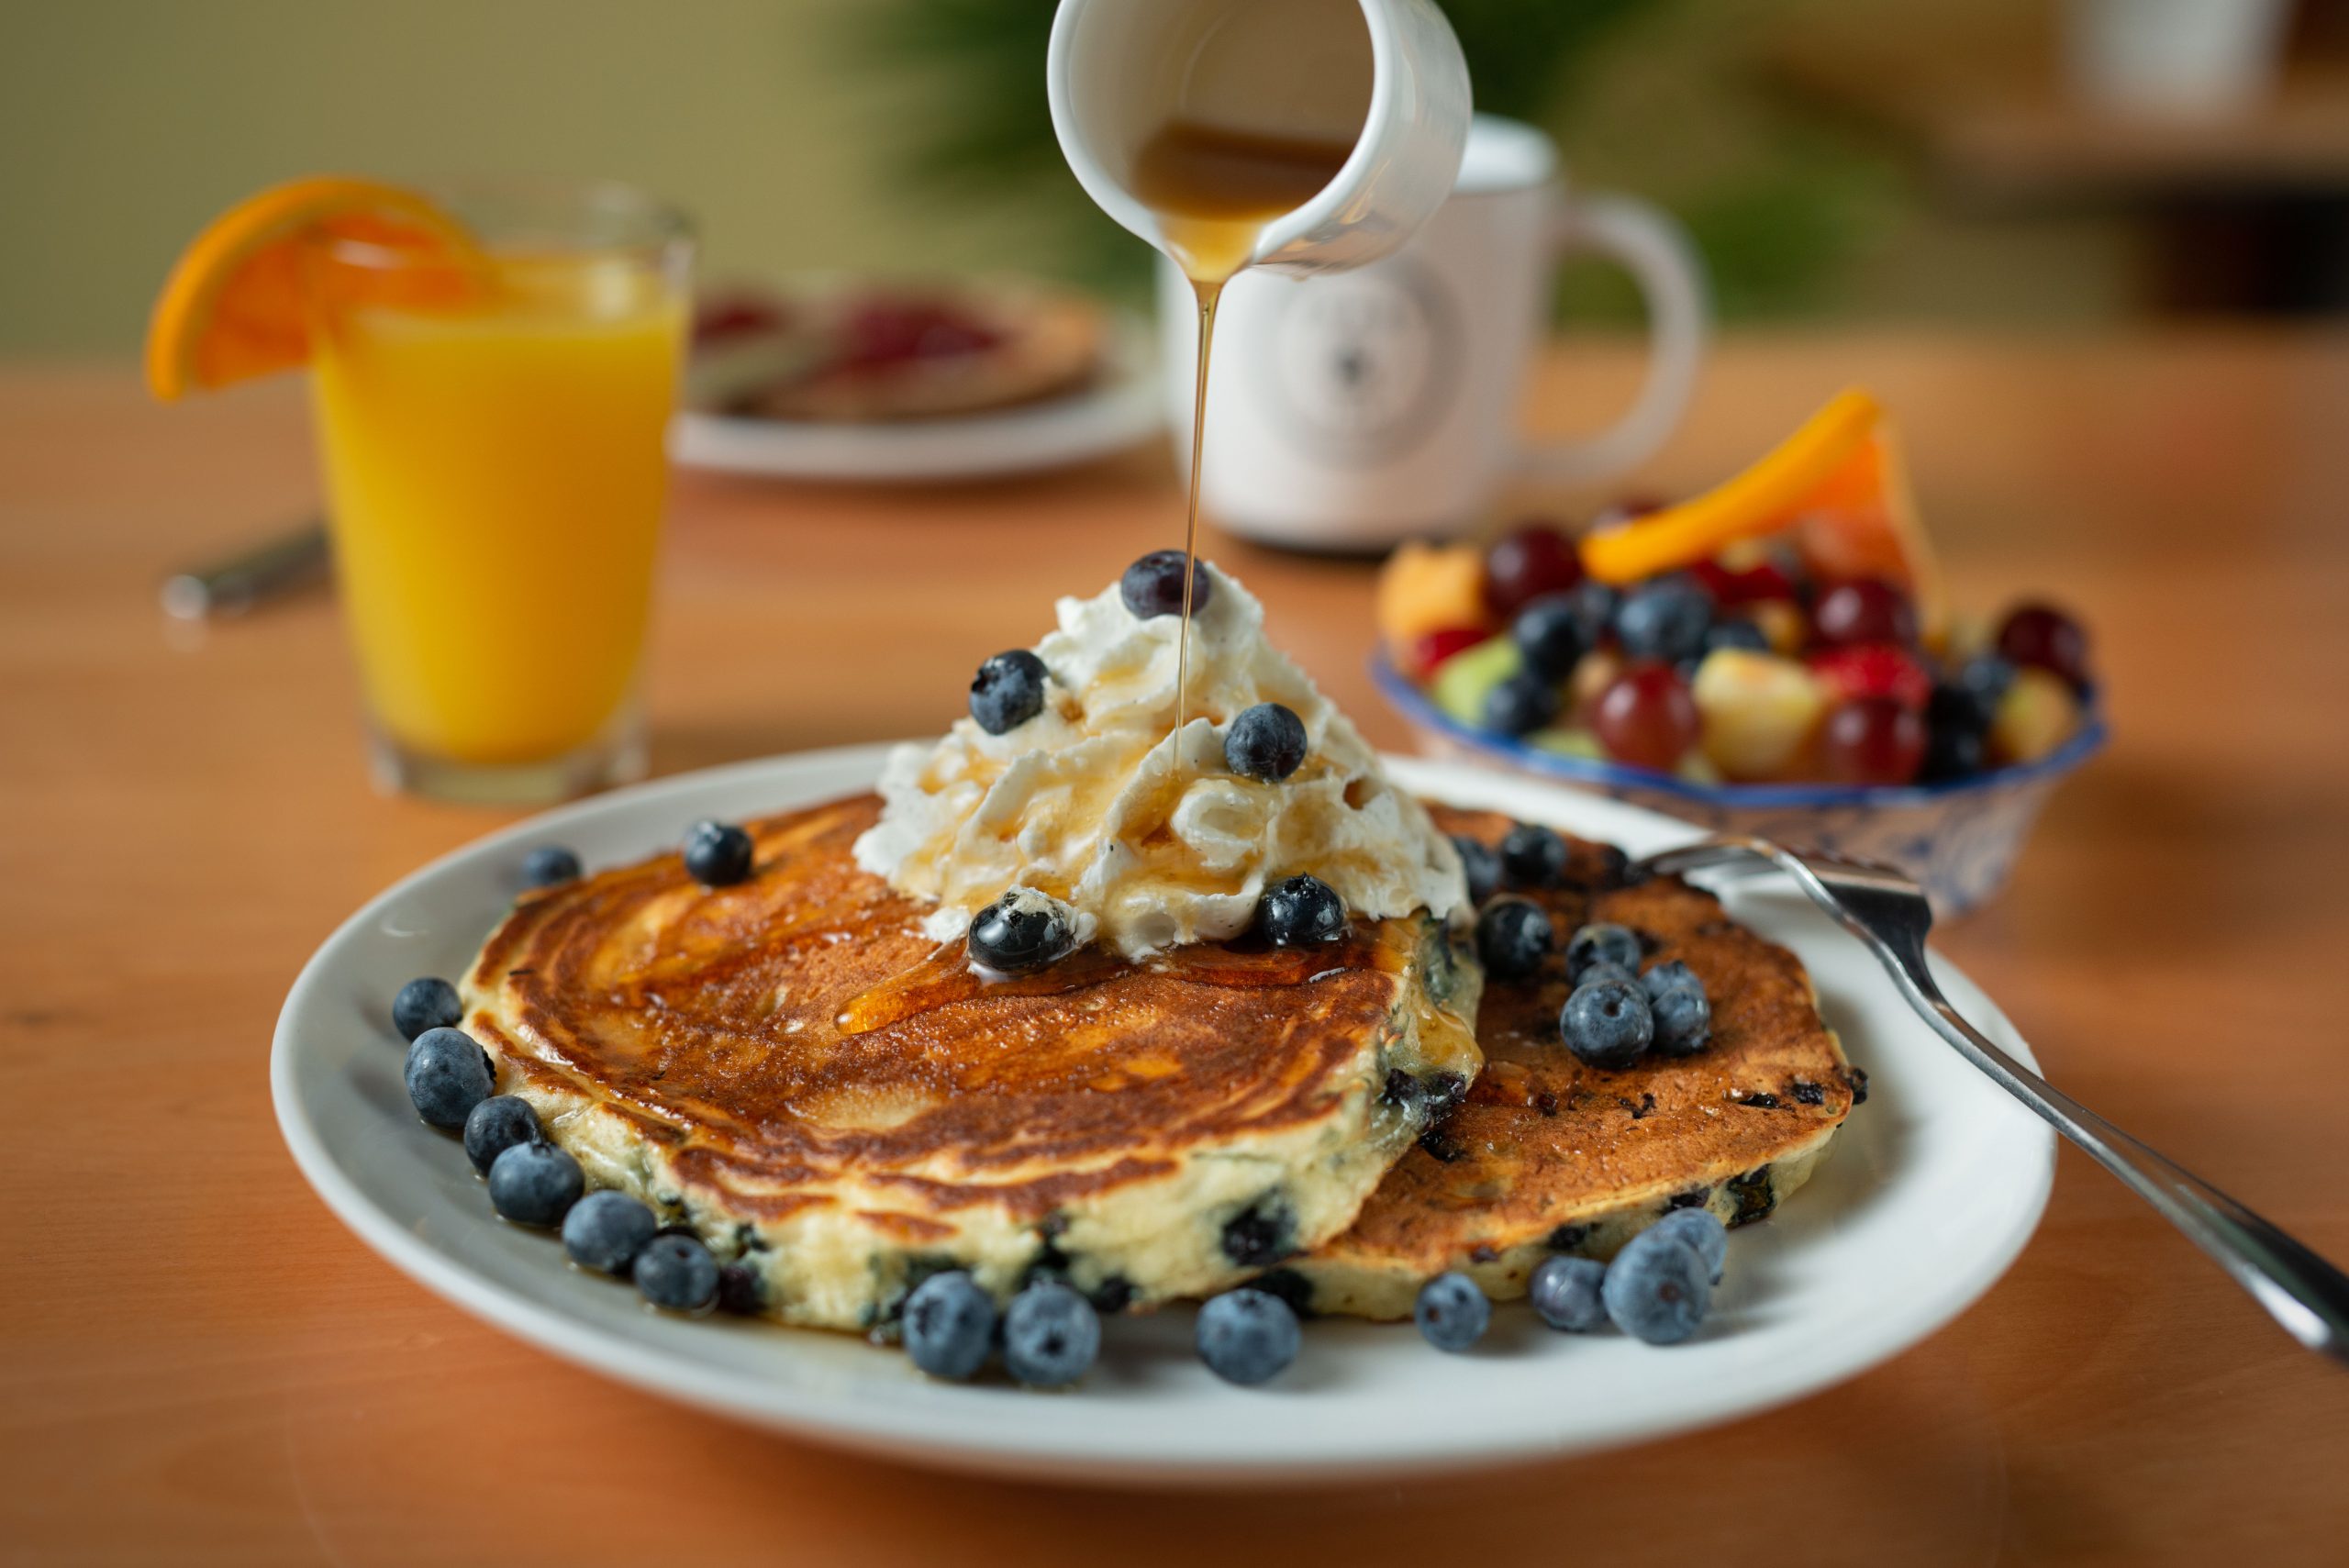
(1430, 648)
(1874, 669)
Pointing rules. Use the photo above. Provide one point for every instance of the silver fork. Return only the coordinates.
(1888, 912)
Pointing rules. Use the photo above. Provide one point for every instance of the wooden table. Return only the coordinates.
(198, 1365)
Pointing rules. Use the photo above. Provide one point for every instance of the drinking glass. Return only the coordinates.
(492, 432)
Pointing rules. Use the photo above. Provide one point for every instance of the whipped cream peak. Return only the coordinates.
(1143, 832)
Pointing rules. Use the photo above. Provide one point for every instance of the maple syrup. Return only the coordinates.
(1214, 192)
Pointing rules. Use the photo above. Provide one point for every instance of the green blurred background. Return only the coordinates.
(911, 133)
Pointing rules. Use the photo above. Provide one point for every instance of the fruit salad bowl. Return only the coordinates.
(1959, 839)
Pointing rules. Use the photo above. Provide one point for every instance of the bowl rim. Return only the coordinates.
(1405, 696)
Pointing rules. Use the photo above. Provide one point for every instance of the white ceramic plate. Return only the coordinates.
(1122, 410)
(1932, 1189)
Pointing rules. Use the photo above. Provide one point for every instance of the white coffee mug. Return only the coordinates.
(1385, 76)
(1353, 410)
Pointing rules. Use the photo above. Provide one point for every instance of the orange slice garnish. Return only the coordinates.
(241, 301)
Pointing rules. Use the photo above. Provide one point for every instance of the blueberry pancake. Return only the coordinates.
(1550, 1155)
(790, 1066)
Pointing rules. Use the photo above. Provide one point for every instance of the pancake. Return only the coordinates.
(792, 1069)
(1547, 1155)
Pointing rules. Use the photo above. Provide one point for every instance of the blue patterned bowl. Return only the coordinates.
(1958, 839)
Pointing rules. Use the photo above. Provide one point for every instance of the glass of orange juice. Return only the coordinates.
(494, 440)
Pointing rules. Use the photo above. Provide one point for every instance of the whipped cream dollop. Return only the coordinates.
(1146, 834)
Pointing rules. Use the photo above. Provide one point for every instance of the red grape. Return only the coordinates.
(1873, 740)
(1730, 587)
(1874, 669)
(1646, 717)
(1523, 566)
(1866, 609)
(2044, 636)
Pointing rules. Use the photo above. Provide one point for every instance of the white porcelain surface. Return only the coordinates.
(1933, 1188)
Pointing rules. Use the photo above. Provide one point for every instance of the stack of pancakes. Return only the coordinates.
(791, 1068)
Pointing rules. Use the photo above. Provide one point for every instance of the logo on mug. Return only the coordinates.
(1364, 363)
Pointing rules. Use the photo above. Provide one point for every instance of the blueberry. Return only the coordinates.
(1736, 632)
(1521, 705)
(1657, 1288)
(1550, 637)
(1482, 866)
(447, 1076)
(1956, 706)
(1051, 1335)
(949, 1325)
(535, 1183)
(425, 1004)
(1607, 1023)
(1153, 587)
(1683, 1017)
(1953, 755)
(717, 854)
(1513, 936)
(1986, 676)
(740, 1291)
(550, 865)
(1602, 941)
(495, 1125)
(1452, 1312)
(1532, 856)
(607, 1229)
(1564, 1294)
(1596, 606)
(1266, 742)
(1022, 931)
(1008, 691)
(1699, 1228)
(1603, 969)
(1247, 1336)
(1299, 911)
(1664, 620)
(676, 1271)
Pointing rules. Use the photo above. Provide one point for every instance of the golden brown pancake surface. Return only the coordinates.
(1550, 1155)
(791, 1065)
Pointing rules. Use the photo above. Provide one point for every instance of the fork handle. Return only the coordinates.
(2302, 1292)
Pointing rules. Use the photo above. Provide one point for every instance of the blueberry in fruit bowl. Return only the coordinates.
(1452, 1312)
(1683, 1013)
(1736, 632)
(1300, 911)
(495, 1125)
(1550, 636)
(535, 1183)
(1564, 1293)
(948, 1326)
(1022, 932)
(1658, 1289)
(429, 1003)
(1602, 941)
(550, 865)
(1481, 865)
(446, 1075)
(1532, 856)
(1266, 742)
(1665, 620)
(1008, 691)
(676, 1272)
(1521, 705)
(1051, 1335)
(1698, 1228)
(605, 1231)
(1247, 1336)
(1153, 587)
(717, 854)
(1513, 937)
(1607, 1023)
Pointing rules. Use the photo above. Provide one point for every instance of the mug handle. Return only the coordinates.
(1653, 247)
